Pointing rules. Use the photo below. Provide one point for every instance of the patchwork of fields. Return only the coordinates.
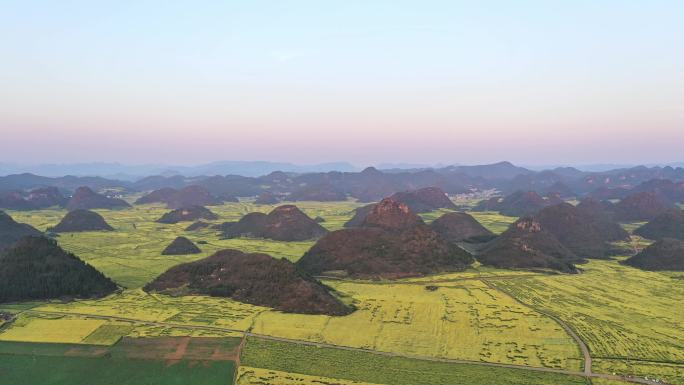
(488, 315)
(160, 361)
(372, 368)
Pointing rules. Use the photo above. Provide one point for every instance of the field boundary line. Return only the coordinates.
(584, 349)
(349, 348)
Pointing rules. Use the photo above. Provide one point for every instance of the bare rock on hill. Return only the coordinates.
(284, 223)
(526, 244)
(666, 254)
(86, 199)
(191, 213)
(36, 268)
(425, 199)
(461, 227)
(81, 220)
(360, 214)
(253, 278)
(392, 215)
(642, 206)
(181, 246)
(392, 242)
(12, 231)
(669, 224)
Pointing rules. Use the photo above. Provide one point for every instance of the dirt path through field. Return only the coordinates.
(333, 346)
(583, 346)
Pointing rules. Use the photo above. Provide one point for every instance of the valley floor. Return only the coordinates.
(480, 326)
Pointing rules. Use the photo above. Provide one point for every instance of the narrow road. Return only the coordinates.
(583, 347)
(585, 373)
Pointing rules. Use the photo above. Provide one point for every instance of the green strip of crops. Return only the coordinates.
(369, 367)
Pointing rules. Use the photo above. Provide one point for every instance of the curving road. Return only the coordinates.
(586, 373)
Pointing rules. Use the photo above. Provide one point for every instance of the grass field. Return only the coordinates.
(621, 313)
(41, 328)
(148, 361)
(625, 315)
(379, 369)
(493, 221)
(131, 255)
(257, 376)
(673, 373)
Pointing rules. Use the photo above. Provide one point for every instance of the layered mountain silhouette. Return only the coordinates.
(461, 227)
(185, 197)
(586, 234)
(642, 206)
(526, 244)
(86, 199)
(36, 199)
(254, 278)
(267, 198)
(191, 213)
(284, 223)
(81, 220)
(517, 204)
(425, 199)
(391, 242)
(321, 192)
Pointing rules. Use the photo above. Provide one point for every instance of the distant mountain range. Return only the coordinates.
(134, 172)
(369, 185)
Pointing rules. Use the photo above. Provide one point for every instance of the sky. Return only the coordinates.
(533, 82)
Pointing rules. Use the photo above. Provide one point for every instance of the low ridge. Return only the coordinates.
(254, 278)
(181, 246)
(392, 242)
(425, 199)
(460, 227)
(526, 244)
(284, 223)
(86, 199)
(81, 220)
(36, 268)
(191, 213)
(665, 254)
(669, 224)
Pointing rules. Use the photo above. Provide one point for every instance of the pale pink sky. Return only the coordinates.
(443, 81)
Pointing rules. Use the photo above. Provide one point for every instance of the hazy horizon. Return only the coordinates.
(532, 82)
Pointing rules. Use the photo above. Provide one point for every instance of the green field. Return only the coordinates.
(131, 255)
(625, 316)
(133, 362)
(380, 369)
(622, 313)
